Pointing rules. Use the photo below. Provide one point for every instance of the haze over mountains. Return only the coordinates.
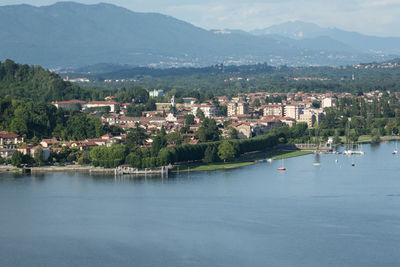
(69, 34)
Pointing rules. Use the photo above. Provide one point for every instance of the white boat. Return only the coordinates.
(353, 152)
(395, 150)
(270, 160)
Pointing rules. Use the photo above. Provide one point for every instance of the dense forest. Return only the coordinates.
(37, 84)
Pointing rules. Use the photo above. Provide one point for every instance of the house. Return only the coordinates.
(110, 98)
(46, 151)
(244, 129)
(49, 142)
(10, 140)
(6, 152)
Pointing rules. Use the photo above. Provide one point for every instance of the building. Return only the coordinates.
(327, 102)
(156, 93)
(49, 142)
(114, 106)
(294, 111)
(274, 110)
(208, 110)
(71, 104)
(10, 140)
(237, 108)
(310, 116)
(244, 129)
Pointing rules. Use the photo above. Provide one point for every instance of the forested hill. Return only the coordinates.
(37, 84)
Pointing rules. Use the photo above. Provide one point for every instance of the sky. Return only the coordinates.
(373, 17)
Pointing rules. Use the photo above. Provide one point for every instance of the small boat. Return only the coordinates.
(353, 152)
(395, 150)
(353, 164)
(270, 160)
(282, 168)
(316, 163)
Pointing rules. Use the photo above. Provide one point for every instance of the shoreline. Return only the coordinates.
(367, 139)
(246, 160)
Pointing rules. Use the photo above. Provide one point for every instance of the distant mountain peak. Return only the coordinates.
(292, 29)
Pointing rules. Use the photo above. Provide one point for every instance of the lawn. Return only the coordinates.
(244, 160)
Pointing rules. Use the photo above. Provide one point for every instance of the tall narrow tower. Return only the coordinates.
(173, 103)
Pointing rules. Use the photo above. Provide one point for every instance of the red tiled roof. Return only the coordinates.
(70, 101)
(9, 135)
(102, 103)
(203, 106)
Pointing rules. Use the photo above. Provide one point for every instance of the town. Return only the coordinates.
(245, 116)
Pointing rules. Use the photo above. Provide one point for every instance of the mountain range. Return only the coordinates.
(72, 35)
(299, 30)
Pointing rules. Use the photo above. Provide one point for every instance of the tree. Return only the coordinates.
(135, 137)
(16, 159)
(232, 133)
(208, 131)
(256, 103)
(84, 158)
(200, 114)
(211, 154)
(174, 138)
(226, 151)
(134, 159)
(39, 156)
(82, 126)
(158, 142)
(189, 119)
(316, 104)
(222, 111)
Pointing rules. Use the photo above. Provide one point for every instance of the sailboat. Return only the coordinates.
(283, 167)
(395, 149)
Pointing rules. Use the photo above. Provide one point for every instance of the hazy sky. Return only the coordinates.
(377, 17)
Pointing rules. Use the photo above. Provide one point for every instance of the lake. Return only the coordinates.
(333, 214)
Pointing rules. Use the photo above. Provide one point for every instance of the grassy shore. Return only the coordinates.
(368, 138)
(244, 160)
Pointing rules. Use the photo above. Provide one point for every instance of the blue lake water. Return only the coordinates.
(328, 215)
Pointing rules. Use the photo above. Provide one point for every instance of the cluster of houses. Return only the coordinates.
(243, 114)
(10, 142)
(246, 113)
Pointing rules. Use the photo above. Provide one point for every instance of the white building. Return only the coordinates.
(114, 106)
(327, 102)
(208, 110)
(69, 104)
(156, 93)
